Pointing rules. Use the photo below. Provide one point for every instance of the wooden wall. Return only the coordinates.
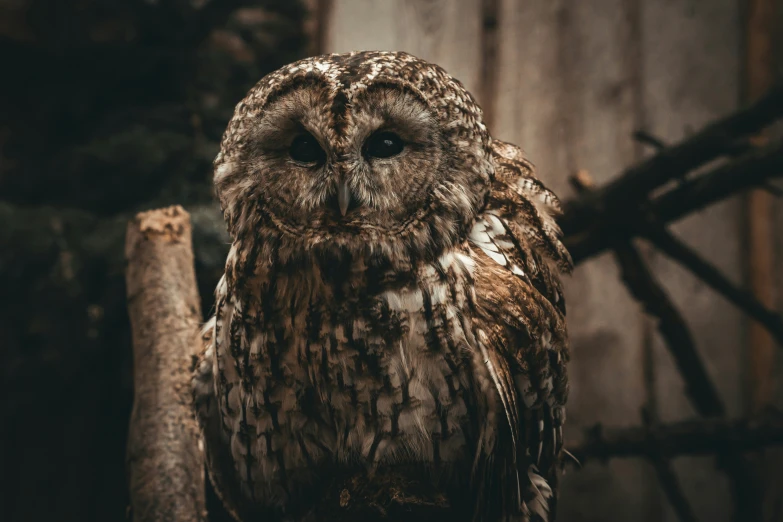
(569, 81)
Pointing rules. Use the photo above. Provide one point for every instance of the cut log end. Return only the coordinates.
(171, 224)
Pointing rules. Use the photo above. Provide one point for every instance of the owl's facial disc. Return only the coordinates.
(368, 153)
(372, 168)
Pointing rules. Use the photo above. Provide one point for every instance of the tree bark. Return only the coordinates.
(164, 455)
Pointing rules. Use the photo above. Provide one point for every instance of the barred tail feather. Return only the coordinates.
(539, 499)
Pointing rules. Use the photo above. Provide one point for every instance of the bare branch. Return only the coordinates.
(684, 255)
(693, 437)
(642, 285)
(750, 170)
(646, 138)
(634, 185)
(603, 230)
(667, 478)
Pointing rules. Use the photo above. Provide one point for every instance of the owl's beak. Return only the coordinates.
(343, 196)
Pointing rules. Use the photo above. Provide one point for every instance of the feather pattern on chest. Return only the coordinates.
(442, 347)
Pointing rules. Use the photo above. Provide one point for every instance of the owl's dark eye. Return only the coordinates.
(383, 145)
(305, 149)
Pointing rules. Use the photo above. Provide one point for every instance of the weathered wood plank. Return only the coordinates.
(759, 36)
(442, 31)
(772, 459)
(568, 88)
(691, 70)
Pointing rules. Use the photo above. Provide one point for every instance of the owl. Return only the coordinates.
(391, 298)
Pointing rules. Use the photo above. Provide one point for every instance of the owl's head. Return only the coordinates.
(366, 152)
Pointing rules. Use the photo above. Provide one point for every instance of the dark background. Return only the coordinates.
(106, 107)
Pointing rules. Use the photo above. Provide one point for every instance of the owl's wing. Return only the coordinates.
(219, 462)
(520, 325)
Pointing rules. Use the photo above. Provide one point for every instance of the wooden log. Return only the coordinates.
(164, 457)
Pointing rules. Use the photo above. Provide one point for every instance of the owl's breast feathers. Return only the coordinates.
(458, 365)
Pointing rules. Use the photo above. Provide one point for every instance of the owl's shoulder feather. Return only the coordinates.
(520, 319)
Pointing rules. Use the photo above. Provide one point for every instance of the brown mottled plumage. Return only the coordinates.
(421, 327)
